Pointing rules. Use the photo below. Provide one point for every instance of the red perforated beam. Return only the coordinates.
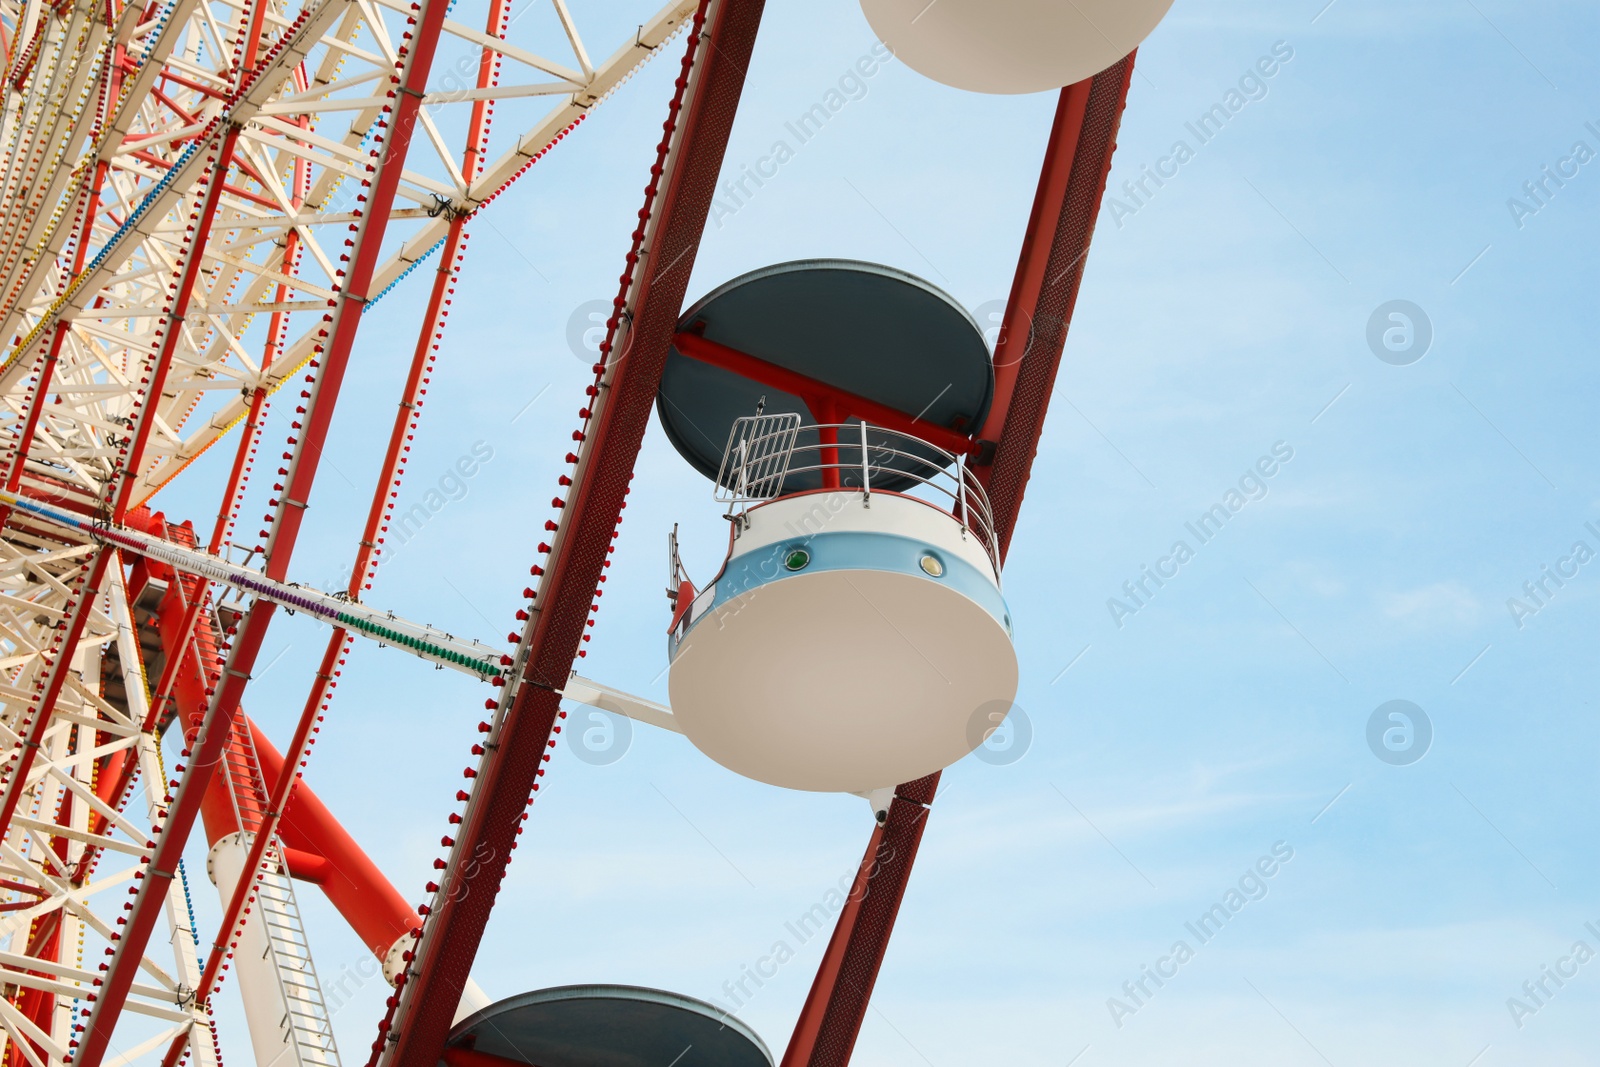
(1045, 288)
(681, 188)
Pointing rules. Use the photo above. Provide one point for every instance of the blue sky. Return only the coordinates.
(1228, 313)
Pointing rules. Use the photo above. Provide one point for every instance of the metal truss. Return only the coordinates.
(200, 201)
(117, 128)
(188, 192)
(73, 848)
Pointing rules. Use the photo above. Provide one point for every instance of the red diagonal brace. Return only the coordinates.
(835, 403)
(1027, 358)
(1045, 289)
(831, 1018)
(720, 46)
(366, 550)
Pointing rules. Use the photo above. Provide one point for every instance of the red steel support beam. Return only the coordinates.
(132, 455)
(356, 888)
(121, 767)
(680, 190)
(828, 403)
(339, 331)
(333, 654)
(89, 591)
(1027, 358)
(1017, 322)
(1045, 288)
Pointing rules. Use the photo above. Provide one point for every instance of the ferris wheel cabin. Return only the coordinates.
(856, 635)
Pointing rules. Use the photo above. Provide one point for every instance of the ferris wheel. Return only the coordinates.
(200, 203)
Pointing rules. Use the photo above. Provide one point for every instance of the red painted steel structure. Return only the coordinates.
(317, 847)
(130, 456)
(1049, 270)
(315, 841)
(671, 224)
(44, 944)
(360, 572)
(339, 332)
(44, 940)
(828, 403)
(678, 199)
(121, 768)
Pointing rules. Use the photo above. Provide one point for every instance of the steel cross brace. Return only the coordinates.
(117, 497)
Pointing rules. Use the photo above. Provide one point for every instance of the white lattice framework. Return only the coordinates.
(109, 114)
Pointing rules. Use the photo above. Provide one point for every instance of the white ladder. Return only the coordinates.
(307, 1025)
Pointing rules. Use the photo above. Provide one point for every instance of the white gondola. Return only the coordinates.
(856, 636)
(1012, 46)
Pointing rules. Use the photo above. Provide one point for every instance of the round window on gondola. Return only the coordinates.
(932, 566)
(797, 559)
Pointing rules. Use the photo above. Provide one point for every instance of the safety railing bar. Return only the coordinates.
(953, 491)
(979, 517)
(811, 427)
(764, 451)
(880, 463)
(884, 470)
(947, 457)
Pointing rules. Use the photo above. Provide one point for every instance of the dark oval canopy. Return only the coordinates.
(863, 328)
(610, 1026)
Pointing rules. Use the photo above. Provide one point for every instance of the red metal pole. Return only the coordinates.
(827, 402)
(333, 654)
(1016, 326)
(96, 571)
(1045, 289)
(284, 786)
(117, 771)
(367, 549)
(827, 439)
(120, 767)
(826, 1031)
(367, 900)
(1027, 357)
(341, 325)
(689, 159)
(258, 397)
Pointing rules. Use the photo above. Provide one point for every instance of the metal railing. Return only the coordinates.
(771, 456)
(755, 461)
